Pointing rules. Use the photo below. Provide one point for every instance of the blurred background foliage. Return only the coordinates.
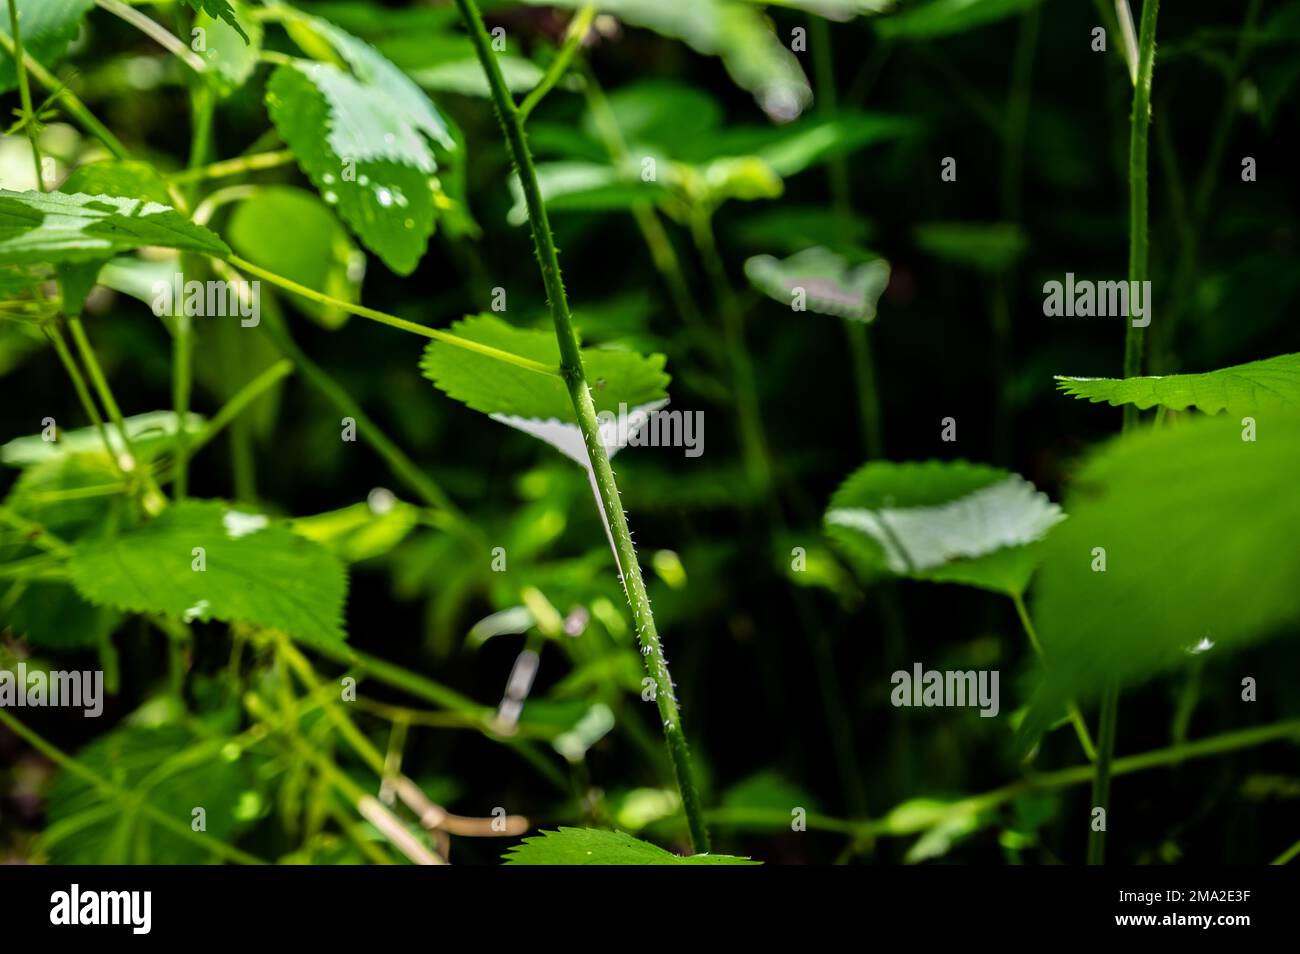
(783, 676)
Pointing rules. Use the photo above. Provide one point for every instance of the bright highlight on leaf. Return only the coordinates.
(946, 522)
(366, 139)
(592, 846)
(219, 10)
(267, 576)
(829, 282)
(1240, 389)
(1199, 531)
(496, 387)
(54, 227)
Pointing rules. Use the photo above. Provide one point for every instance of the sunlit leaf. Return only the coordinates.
(1240, 389)
(946, 522)
(590, 846)
(830, 283)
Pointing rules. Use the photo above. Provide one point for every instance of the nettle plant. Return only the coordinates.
(100, 527)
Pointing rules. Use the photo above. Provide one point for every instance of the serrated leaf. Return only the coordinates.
(257, 572)
(495, 387)
(219, 10)
(54, 227)
(365, 139)
(1240, 389)
(935, 18)
(831, 283)
(47, 27)
(293, 233)
(591, 846)
(945, 522)
(171, 768)
(1199, 530)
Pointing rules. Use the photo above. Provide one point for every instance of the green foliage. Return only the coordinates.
(495, 387)
(231, 50)
(170, 768)
(257, 572)
(732, 30)
(150, 434)
(365, 137)
(47, 27)
(295, 234)
(831, 283)
(1195, 561)
(591, 846)
(1240, 389)
(991, 247)
(220, 10)
(927, 19)
(54, 227)
(944, 522)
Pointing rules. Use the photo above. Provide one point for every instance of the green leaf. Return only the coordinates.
(796, 147)
(293, 233)
(230, 52)
(1240, 389)
(172, 769)
(52, 616)
(945, 522)
(54, 227)
(830, 283)
(110, 177)
(993, 246)
(591, 846)
(936, 18)
(151, 433)
(126, 177)
(220, 10)
(257, 572)
(47, 27)
(362, 531)
(738, 33)
(1199, 529)
(584, 187)
(495, 387)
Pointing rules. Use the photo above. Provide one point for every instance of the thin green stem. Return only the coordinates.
(233, 167)
(576, 33)
(245, 396)
(83, 393)
(393, 321)
(1076, 717)
(154, 498)
(25, 95)
(75, 107)
(580, 394)
(1139, 253)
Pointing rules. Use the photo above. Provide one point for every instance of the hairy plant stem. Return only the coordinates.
(25, 95)
(580, 394)
(1137, 272)
(156, 32)
(233, 167)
